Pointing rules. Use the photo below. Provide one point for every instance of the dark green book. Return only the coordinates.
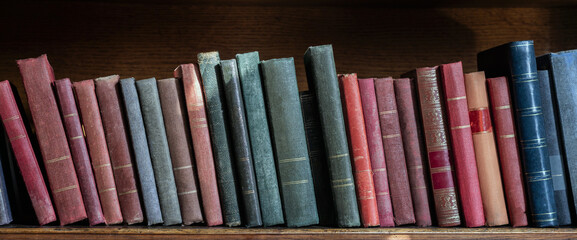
(289, 141)
(260, 143)
(209, 64)
(324, 86)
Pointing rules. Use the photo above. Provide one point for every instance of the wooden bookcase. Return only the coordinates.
(92, 38)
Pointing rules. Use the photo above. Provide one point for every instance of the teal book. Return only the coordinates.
(289, 141)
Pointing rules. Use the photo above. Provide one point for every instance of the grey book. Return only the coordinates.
(141, 153)
(289, 141)
(159, 152)
(260, 144)
(209, 64)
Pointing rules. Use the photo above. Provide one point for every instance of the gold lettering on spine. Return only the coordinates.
(446, 205)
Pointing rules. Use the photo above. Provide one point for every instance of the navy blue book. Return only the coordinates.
(516, 60)
(562, 76)
(5, 211)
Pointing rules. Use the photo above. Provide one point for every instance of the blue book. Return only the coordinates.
(5, 211)
(516, 60)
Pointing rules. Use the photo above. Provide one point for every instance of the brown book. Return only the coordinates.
(179, 143)
(112, 119)
(485, 150)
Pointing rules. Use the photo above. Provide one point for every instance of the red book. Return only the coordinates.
(414, 149)
(98, 151)
(437, 142)
(394, 153)
(201, 142)
(112, 120)
(38, 78)
(462, 144)
(79, 152)
(376, 151)
(360, 149)
(508, 151)
(24, 153)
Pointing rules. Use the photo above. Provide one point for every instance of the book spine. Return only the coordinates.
(323, 82)
(358, 142)
(557, 91)
(394, 152)
(437, 142)
(38, 77)
(175, 122)
(201, 143)
(289, 141)
(485, 150)
(159, 150)
(462, 142)
(376, 151)
(80, 157)
(241, 144)
(141, 153)
(407, 107)
(98, 150)
(5, 211)
(532, 135)
(508, 151)
(260, 143)
(209, 64)
(317, 156)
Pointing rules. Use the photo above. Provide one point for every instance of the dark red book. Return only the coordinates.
(24, 153)
(508, 151)
(394, 152)
(462, 144)
(98, 150)
(38, 78)
(407, 107)
(116, 137)
(79, 152)
(358, 143)
(201, 142)
(437, 141)
(376, 151)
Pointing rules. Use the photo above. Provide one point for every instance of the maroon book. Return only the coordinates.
(376, 151)
(24, 154)
(98, 149)
(462, 144)
(117, 140)
(79, 152)
(407, 108)
(394, 152)
(38, 78)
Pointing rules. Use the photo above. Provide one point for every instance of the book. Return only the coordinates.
(485, 150)
(557, 91)
(107, 91)
(435, 129)
(159, 150)
(516, 60)
(394, 152)
(323, 85)
(508, 151)
(453, 82)
(289, 141)
(413, 144)
(363, 173)
(98, 150)
(175, 122)
(260, 143)
(79, 151)
(209, 67)
(38, 77)
(139, 145)
(376, 151)
(201, 142)
(317, 157)
(5, 210)
(241, 143)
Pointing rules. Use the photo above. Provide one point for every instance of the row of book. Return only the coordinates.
(233, 142)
